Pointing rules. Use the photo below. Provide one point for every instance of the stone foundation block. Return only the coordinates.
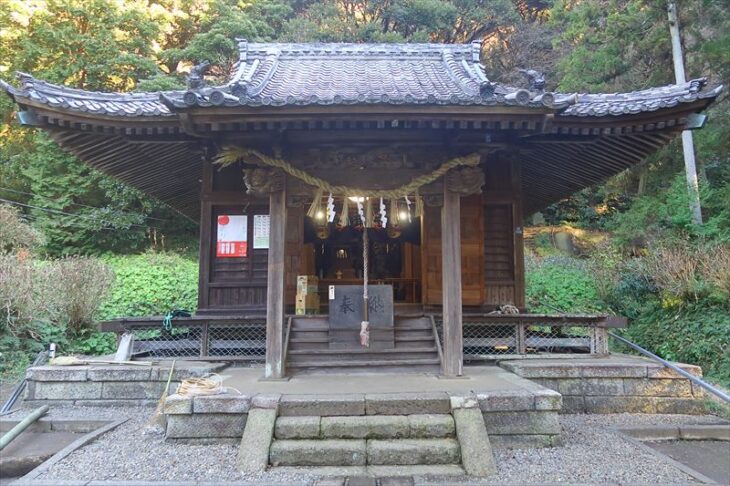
(548, 400)
(56, 373)
(476, 451)
(224, 403)
(407, 403)
(657, 371)
(323, 405)
(413, 451)
(178, 404)
(516, 423)
(688, 406)
(573, 404)
(266, 400)
(431, 426)
(253, 453)
(71, 390)
(613, 371)
(209, 425)
(132, 389)
(118, 373)
(602, 387)
(297, 427)
(658, 387)
(138, 402)
(528, 370)
(506, 401)
(623, 404)
(318, 453)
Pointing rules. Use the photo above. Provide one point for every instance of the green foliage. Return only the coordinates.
(560, 284)
(697, 333)
(151, 284)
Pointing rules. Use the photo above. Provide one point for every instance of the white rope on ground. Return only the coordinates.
(211, 385)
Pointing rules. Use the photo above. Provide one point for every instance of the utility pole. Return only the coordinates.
(688, 145)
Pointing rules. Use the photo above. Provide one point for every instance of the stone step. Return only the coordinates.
(410, 452)
(358, 472)
(318, 453)
(433, 471)
(360, 452)
(417, 426)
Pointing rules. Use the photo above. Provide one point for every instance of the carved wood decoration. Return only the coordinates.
(465, 181)
(263, 181)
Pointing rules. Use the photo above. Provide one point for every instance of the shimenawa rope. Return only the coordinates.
(231, 155)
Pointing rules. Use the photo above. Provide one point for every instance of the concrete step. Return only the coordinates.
(416, 426)
(360, 452)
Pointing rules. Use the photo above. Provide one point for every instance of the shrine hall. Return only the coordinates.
(361, 205)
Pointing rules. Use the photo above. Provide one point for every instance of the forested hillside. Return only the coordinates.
(670, 277)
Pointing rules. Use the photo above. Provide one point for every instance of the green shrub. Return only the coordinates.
(561, 284)
(696, 333)
(150, 284)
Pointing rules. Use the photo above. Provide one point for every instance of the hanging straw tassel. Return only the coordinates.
(316, 204)
(344, 217)
(419, 205)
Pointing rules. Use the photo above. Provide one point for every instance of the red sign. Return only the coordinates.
(232, 236)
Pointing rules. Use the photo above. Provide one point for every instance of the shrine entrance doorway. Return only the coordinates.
(394, 256)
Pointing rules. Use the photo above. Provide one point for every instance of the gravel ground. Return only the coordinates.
(593, 453)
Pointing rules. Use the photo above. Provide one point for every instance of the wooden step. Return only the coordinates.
(375, 357)
(325, 352)
(364, 363)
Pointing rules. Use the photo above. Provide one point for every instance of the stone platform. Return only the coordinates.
(614, 384)
(108, 384)
(516, 411)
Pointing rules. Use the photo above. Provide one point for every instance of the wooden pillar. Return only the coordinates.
(453, 362)
(275, 285)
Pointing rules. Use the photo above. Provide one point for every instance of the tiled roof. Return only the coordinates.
(644, 100)
(114, 104)
(275, 74)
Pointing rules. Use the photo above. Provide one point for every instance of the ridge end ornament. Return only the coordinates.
(195, 80)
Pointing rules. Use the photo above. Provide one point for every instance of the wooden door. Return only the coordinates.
(472, 252)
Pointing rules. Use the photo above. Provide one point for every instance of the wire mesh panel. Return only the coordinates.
(481, 338)
(158, 342)
(488, 337)
(245, 340)
(240, 340)
(557, 339)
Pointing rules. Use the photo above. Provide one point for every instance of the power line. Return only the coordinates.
(63, 213)
(79, 204)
